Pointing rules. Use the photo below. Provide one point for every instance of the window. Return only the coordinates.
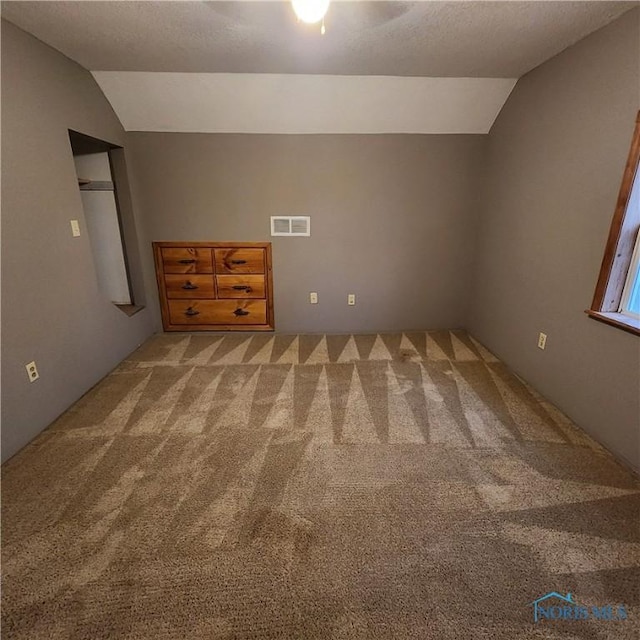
(631, 294)
(617, 297)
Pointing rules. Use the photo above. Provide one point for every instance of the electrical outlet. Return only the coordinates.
(32, 371)
(351, 299)
(75, 228)
(542, 340)
(313, 298)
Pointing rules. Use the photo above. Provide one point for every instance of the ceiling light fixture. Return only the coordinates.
(311, 11)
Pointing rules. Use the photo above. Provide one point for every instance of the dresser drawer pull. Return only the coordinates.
(191, 312)
(242, 287)
(240, 312)
(238, 262)
(187, 261)
(189, 285)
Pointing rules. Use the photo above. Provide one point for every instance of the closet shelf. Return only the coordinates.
(95, 185)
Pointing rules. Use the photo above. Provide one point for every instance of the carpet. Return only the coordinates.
(387, 486)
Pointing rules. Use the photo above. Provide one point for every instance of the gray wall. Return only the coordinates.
(52, 311)
(393, 218)
(555, 161)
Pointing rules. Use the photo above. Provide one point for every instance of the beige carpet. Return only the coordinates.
(329, 487)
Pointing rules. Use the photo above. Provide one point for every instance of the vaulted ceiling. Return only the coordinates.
(423, 67)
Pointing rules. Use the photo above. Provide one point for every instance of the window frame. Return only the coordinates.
(619, 252)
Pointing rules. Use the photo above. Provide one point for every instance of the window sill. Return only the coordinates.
(626, 323)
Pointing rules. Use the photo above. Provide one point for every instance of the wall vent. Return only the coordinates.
(290, 226)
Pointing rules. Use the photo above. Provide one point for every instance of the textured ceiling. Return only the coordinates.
(250, 67)
(439, 39)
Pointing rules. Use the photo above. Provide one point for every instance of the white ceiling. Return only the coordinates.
(423, 40)
(285, 103)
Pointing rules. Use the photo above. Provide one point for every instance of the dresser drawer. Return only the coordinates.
(239, 260)
(244, 286)
(217, 312)
(189, 286)
(186, 260)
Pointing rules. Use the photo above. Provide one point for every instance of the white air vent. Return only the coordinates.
(290, 226)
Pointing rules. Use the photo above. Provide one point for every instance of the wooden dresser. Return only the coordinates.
(215, 286)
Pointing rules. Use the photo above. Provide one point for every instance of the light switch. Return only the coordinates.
(75, 228)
